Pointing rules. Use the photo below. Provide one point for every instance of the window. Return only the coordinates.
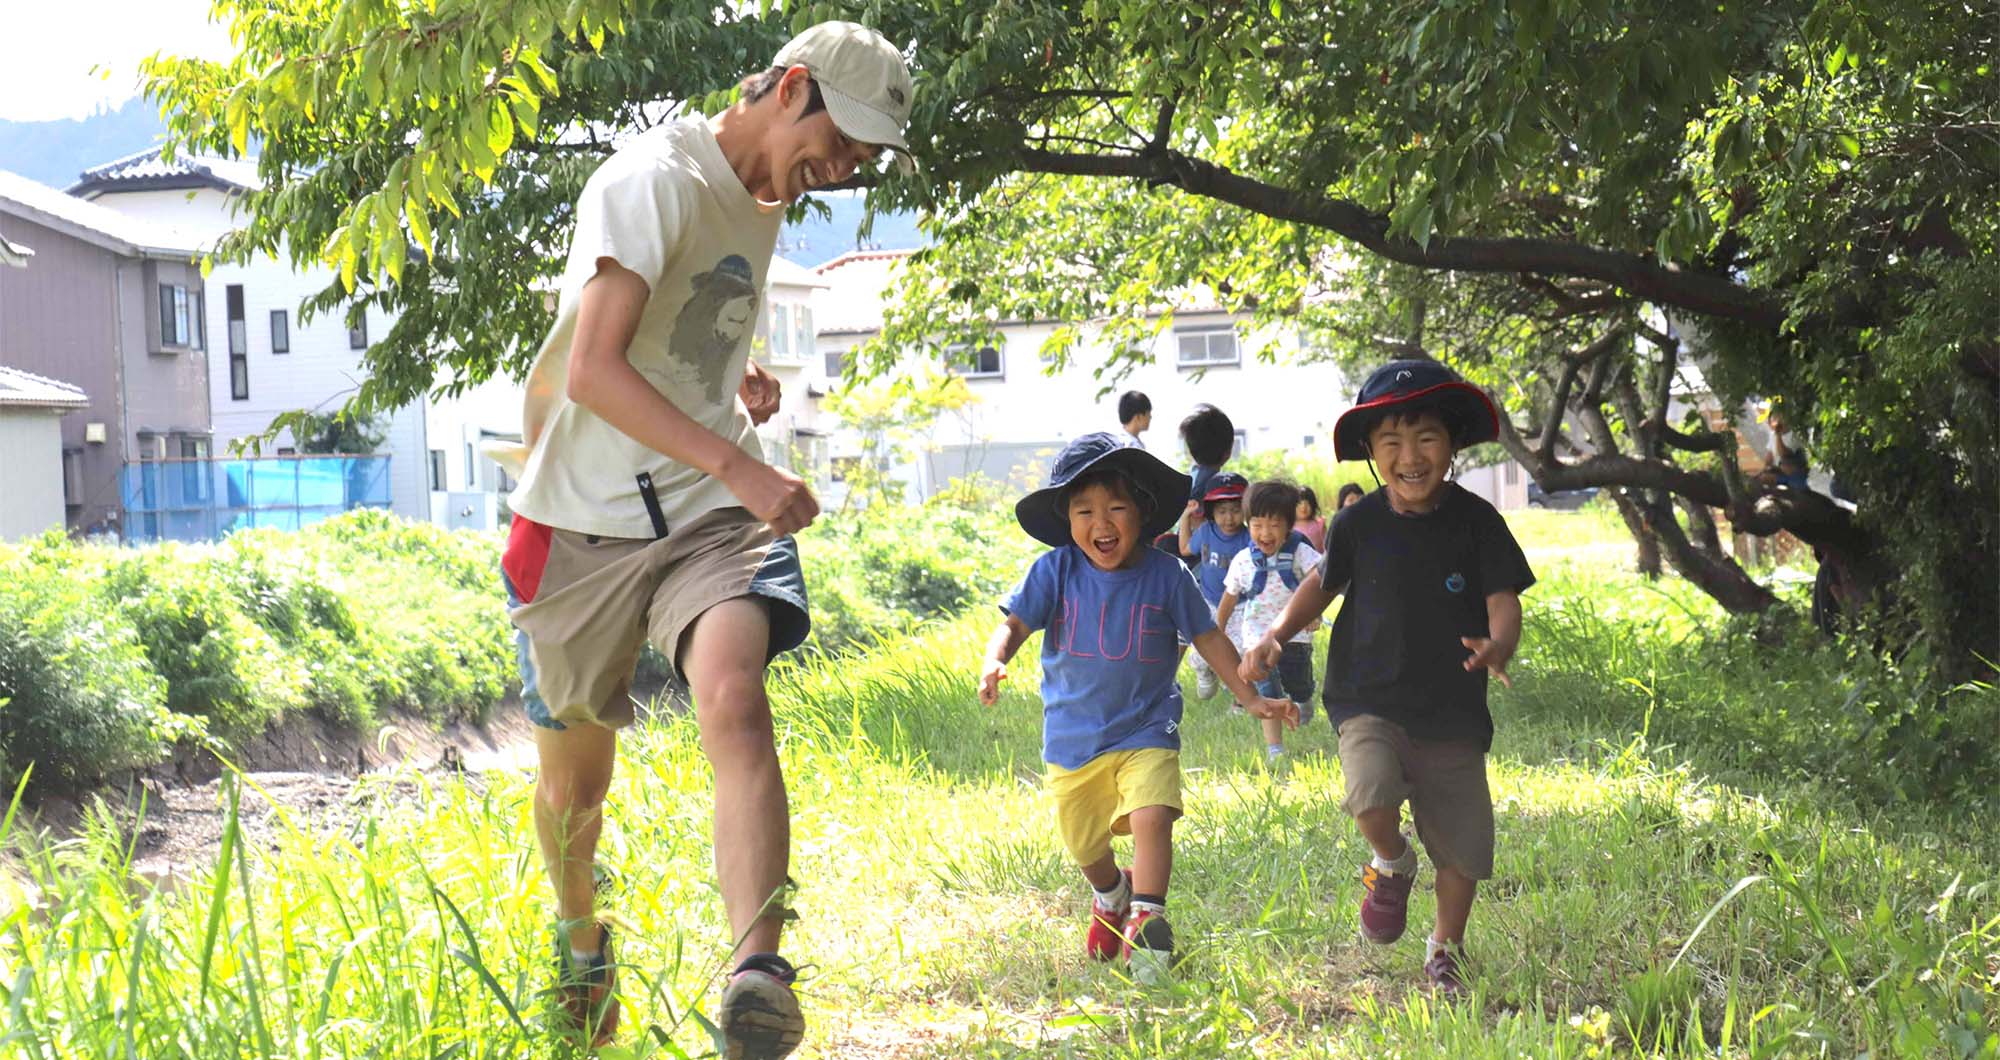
(1242, 445)
(471, 467)
(239, 344)
(194, 477)
(780, 341)
(286, 450)
(357, 335)
(281, 332)
(1513, 475)
(180, 316)
(802, 332)
(983, 363)
(437, 471)
(1201, 347)
(836, 363)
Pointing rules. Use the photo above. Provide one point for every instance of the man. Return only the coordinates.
(645, 510)
(1135, 413)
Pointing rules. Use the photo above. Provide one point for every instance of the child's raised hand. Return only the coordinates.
(1489, 654)
(1257, 662)
(1274, 709)
(989, 682)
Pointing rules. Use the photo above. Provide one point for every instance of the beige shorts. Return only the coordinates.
(600, 599)
(1444, 783)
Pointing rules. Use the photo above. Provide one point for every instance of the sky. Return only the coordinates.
(52, 46)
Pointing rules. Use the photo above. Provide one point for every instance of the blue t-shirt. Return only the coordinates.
(1110, 649)
(1215, 549)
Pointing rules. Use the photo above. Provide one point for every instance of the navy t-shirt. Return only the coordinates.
(1414, 585)
(1110, 650)
(1213, 550)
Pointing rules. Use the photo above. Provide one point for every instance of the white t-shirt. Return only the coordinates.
(668, 207)
(1261, 612)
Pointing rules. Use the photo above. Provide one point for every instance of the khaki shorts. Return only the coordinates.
(600, 599)
(1095, 800)
(1444, 783)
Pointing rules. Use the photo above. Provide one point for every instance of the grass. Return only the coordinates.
(1652, 897)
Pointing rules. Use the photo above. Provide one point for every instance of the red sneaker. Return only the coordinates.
(1106, 940)
(1149, 947)
(1385, 904)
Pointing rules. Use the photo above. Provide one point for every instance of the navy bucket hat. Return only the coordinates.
(1157, 487)
(1415, 386)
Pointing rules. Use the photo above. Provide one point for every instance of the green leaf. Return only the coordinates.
(420, 221)
(499, 127)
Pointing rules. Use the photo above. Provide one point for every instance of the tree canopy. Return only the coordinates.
(1580, 203)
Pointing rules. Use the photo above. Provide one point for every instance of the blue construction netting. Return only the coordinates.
(202, 500)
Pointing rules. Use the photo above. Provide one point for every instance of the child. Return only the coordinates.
(1211, 534)
(1261, 581)
(1431, 573)
(1209, 438)
(646, 512)
(1349, 493)
(1306, 518)
(1111, 608)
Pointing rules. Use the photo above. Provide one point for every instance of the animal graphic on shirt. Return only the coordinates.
(711, 325)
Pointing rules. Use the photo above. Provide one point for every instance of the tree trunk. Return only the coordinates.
(1716, 573)
(1642, 535)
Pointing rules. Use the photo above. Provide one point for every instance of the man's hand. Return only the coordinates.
(1489, 654)
(1274, 709)
(772, 494)
(760, 392)
(989, 681)
(1257, 662)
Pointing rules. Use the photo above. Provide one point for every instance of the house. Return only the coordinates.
(263, 359)
(1024, 413)
(113, 306)
(787, 345)
(31, 452)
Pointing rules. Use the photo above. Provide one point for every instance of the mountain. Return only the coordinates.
(56, 152)
(815, 241)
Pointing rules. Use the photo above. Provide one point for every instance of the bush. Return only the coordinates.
(78, 698)
(893, 568)
(218, 663)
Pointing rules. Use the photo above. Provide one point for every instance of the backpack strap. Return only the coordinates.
(1286, 563)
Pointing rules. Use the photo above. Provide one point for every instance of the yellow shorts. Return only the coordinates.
(1095, 800)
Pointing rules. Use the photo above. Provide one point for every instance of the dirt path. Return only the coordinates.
(307, 769)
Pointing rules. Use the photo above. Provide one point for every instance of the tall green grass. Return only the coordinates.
(1656, 894)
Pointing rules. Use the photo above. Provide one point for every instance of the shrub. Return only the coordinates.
(218, 663)
(78, 698)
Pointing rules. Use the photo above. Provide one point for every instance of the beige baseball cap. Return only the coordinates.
(863, 80)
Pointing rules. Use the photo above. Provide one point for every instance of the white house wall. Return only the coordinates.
(31, 473)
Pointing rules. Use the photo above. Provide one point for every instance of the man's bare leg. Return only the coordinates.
(723, 656)
(575, 774)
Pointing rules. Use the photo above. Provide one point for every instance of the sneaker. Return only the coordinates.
(1443, 972)
(760, 1018)
(1385, 904)
(586, 993)
(1106, 939)
(1149, 947)
(1205, 684)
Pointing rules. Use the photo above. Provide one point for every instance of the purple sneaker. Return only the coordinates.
(1445, 976)
(1385, 904)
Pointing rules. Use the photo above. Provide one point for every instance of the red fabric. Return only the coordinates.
(525, 556)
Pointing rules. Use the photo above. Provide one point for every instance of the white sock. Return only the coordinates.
(1402, 866)
(1154, 908)
(1432, 947)
(585, 956)
(1115, 898)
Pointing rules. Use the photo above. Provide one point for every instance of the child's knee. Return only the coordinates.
(1154, 819)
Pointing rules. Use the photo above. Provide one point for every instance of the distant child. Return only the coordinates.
(1212, 541)
(1306, 518)
(1209, 438)
(1260, 582)
(1135, 415)
(1349, 493)
(1112, 611)
(1431, 574)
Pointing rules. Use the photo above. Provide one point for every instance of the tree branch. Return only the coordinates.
(1642, 276)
